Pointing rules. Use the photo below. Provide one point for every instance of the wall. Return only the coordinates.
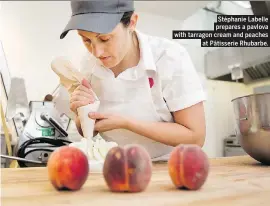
(253, 85)
(174, 9)
(30, 34)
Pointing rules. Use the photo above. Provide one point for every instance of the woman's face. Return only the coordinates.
(109, 48)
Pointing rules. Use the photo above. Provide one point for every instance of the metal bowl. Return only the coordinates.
(252, 115)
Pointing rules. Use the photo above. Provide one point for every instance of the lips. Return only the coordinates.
(104, 58)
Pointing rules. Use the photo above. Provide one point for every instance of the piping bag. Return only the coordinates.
(94, 147)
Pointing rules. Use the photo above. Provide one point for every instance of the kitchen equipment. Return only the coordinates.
(252, 114)
(44, 131)
(248, 64)
(22, 159)
(3, 149)
(17, 104)
(244, 64)
(260, 7)
(45, 121)
(5, 83)
(232, 147)
(7, 139)
(234, 181)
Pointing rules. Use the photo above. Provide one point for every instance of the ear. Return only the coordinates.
(133, 21)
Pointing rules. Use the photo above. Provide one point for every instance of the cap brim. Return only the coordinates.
(93, 22)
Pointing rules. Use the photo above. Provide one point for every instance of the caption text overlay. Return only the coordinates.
(232, 31)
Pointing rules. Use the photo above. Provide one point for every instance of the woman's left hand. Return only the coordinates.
(107, 122)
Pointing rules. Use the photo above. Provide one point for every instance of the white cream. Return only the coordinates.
(95, 149)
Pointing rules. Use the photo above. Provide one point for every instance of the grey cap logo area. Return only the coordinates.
(100, 16)
(107, 6)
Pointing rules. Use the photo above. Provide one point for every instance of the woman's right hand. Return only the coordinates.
(81, 96)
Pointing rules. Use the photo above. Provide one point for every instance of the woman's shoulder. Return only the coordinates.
(169, 55)
(166, 51)
(163, 46)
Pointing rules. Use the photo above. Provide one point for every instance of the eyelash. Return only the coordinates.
(103, 40)
(87, 41)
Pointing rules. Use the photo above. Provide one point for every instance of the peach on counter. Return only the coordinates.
(188, 166)
(68, 168)
(127, 169)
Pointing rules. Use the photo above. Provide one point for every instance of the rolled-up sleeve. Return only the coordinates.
(181, 84)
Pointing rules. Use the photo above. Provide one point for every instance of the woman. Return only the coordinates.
(149, 91)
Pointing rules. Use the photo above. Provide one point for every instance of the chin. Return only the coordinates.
(109, 64)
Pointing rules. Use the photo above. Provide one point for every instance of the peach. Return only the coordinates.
(67, 168)
(127, 169)
(188, 167)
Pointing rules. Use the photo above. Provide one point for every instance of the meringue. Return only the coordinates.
(95, 149)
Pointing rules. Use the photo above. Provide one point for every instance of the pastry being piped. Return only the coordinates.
(95, 149)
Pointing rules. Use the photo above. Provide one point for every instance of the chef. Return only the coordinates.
(148, 88)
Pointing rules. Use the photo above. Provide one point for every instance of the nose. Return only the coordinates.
(97, 50)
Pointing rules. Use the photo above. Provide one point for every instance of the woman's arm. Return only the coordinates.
(189, 127)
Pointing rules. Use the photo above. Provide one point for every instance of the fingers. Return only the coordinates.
(79, 101)
(86, 83)
(75, 105)
(81, 96)
(83, 88)
(98, 127)
(96, 115)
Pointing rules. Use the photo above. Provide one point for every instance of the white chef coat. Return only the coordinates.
(181, 85)
(176, 83)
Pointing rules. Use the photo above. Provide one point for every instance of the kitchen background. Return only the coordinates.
(29, 32)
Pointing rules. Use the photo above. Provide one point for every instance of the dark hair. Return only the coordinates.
(126, 18)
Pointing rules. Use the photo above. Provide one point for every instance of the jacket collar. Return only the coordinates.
(147, 60)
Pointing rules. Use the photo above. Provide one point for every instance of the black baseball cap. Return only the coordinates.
(100, 16)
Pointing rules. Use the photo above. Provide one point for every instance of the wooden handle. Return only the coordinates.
(13, 163)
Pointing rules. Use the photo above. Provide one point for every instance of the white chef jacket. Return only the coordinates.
(179, 84)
